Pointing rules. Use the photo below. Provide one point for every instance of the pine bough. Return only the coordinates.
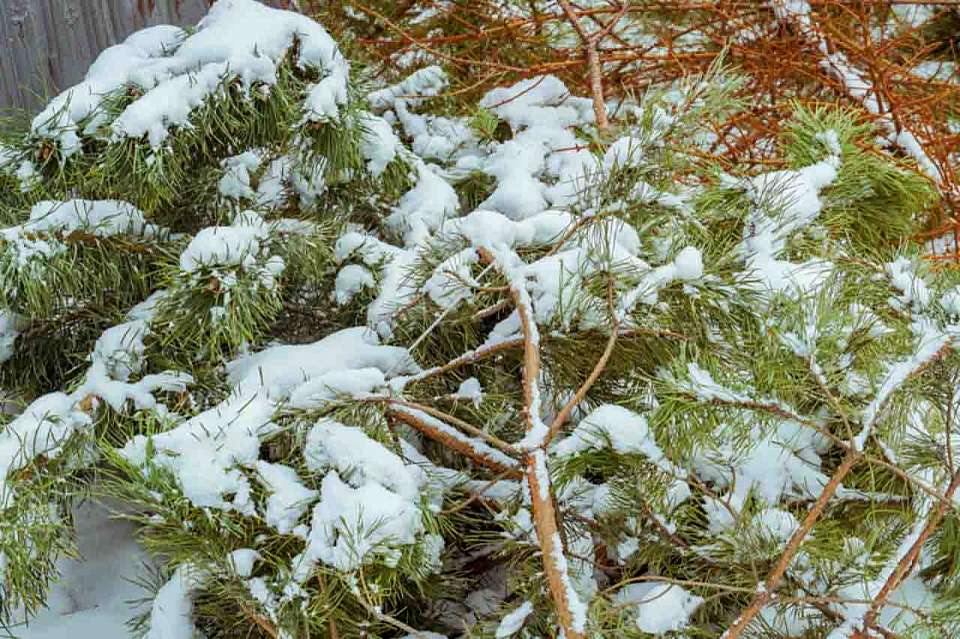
(359, 369)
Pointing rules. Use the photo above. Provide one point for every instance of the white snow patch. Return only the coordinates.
(660, 607)
(514, 620)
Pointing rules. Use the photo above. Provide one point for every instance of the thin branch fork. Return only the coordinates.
(456, 421)
(592, 55)
(564, 413)
(775, 576)
(537, 477)
(331, 622)
(468, 358)
(265, 624)
(905, 565)
(484, 352)
(773, 409)
(433, 51)
(598, 368)
(889, 117)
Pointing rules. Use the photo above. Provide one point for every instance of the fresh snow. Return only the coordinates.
(241, 244)
(52, 223)
(176, 72)
(171, 615)
(659, 607)
(513, 621)
(359, 495)
(203, 451)
(288, 496)
(622, 429)
(358, 458)
(97, 217)
(470, 390)
(794, 196)
(357, 518)
(40, 430)
(93, 594)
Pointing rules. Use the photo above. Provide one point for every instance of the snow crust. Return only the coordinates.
(93, 593)
(171, 615)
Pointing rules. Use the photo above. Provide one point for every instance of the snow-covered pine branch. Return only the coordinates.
(357, 364)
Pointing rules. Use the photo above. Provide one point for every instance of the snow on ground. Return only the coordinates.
(93, 598)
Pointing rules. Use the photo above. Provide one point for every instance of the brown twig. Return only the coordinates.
(265, 624)
(594, 375)
(775, 576)
(493, 440)
(466, 359)
(331, 622)
(592, 55)
(537, 477)
(450, 439)
(905, 565)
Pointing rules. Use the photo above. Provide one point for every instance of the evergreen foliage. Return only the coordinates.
(359, 361)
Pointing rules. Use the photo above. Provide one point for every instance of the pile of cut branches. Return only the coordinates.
(447, 343)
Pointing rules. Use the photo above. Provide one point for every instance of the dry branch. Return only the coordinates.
(775, 576)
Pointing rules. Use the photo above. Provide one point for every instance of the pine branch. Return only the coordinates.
(594, 68)
(471, 357)
(906, 563)
(569, 611)
(265, 624)
(595, 373)
(470, 428)
(448, 437)
(775, 576)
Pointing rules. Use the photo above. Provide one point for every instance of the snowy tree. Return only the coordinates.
(359, 364)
